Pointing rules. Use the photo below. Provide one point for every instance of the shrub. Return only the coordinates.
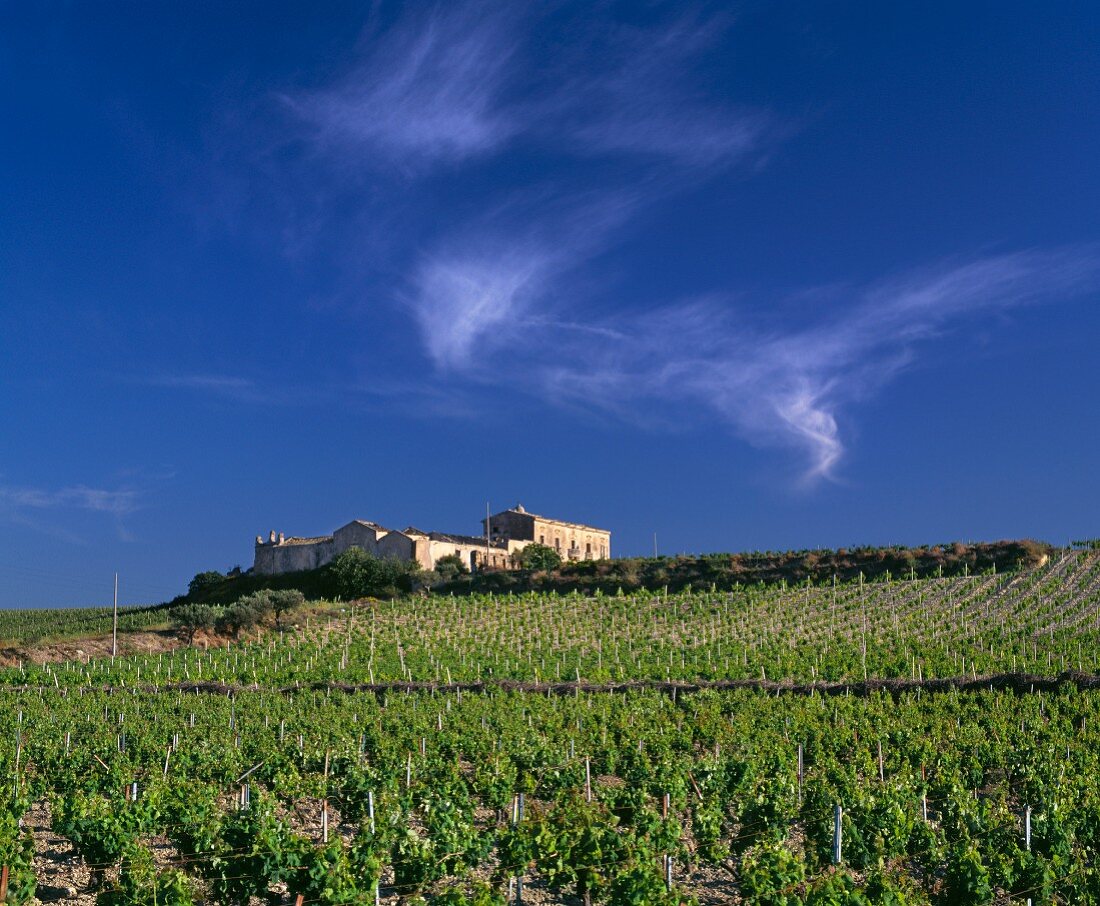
(358, 574)
(284, 601)
(204, 580)
(450, 567)
(539, 556)
(967, 879)
(190, 618)
(247, 613)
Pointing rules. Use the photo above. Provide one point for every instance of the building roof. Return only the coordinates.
(367, 523)
(518, 508)
(469, 540)
(317, 540)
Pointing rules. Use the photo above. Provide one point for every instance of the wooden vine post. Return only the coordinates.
(517, 818)
(324, 804)
(800, 775)
(838, 835)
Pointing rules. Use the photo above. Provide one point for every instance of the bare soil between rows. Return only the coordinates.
(1019, 683)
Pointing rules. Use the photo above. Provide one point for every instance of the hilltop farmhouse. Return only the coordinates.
(507, 533)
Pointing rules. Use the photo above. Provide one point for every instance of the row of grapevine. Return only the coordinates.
(619, 792)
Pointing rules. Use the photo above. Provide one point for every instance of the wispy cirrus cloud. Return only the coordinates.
(776, 389)
(623, 92)
(465, 84)
(453, 83)
(116, 502)
(427, 89)
(238, 388)
(52, 510)
(465, 80)
(489, 287)
(459, 302)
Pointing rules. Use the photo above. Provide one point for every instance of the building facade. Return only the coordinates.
(509, 532)
(571, 540)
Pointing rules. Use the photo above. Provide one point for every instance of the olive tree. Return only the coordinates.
(190, 618)
(285, 601)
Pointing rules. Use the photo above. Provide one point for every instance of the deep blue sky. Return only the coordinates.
(747, 275)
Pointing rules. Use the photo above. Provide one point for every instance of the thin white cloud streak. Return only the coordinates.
(459, 302)
(463, 81)
(79, 497)
(425, 90)
(636, 103)
(243, 390)
(237, 387)
(480, 294)
(774, 389)
(442, 93)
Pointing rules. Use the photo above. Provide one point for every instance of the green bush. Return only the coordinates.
(190, 618)
(245, 614)
(204, 580)
(450, 567)
(17, 852)
(539, 556)
(358, 574)
(285, 601)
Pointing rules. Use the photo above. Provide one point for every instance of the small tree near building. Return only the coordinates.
(450, 567)
(358, 574)
(539, 556)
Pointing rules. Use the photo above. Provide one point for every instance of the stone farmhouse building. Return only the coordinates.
(509, 532)
(570, 539)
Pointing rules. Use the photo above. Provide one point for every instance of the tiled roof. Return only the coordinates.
(470, 540)
(579, 525)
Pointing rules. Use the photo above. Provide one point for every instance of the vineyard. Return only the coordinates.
(29, 626)
(843, 742)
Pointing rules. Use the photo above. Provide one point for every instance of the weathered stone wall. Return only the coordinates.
(291, 557)
(397, 545)
(358, 534)
(473, 555)
(571, 540)
(513, 524)
(279, 555)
